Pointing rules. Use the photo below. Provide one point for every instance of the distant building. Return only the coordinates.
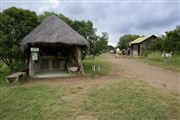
(138, 45)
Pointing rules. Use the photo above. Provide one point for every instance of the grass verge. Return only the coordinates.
(4, 71)
(108, 100)
(156, 59)
(89, 62)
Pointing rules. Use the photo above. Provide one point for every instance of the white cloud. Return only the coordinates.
(115, 18)
(39, 5)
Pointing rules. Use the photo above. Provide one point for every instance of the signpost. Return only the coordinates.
(34, 53)
(34, 49)
(34, 56)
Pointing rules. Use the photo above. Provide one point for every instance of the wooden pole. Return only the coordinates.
(31, 67)
(78, 57)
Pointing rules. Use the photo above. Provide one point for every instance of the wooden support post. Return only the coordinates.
(31, 67)
(50, 64)
(78, 57)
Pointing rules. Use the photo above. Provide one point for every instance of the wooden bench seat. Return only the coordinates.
(15, 76)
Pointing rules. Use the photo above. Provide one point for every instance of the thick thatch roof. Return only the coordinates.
(54, 30)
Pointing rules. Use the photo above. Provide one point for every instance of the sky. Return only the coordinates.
(116, 17)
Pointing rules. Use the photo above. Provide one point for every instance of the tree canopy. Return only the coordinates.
(15, 23)
(168, 42)
(101, 44)
(125, 39)
(172, 40)
(110, 47)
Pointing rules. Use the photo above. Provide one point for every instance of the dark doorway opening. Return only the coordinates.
(138, 50)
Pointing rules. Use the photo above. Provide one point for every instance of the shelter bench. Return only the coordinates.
(15, 76)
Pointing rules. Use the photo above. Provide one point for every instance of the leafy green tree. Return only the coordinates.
(172, 40)
(110, 47)
(61, 16)
(15, 24)
(168, 42)
(156, 45)
(46, 14)
(102, 43)
(124, 40)
(99, 44)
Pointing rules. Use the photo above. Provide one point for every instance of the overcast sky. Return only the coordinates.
(116, 17)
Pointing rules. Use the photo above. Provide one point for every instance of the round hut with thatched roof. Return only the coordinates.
(54, 46)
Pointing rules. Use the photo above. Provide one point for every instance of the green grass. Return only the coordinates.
(89, 62)
(3, 75)
(4, 71)
(130, 100)
(33, 103)
(109, 100)
(156, 58)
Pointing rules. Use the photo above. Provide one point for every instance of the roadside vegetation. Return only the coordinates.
(89, 62)
(167, 43)
(106, 100)
(4, 71)
(155, 58)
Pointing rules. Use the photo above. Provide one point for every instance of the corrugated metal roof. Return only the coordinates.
(140, 39)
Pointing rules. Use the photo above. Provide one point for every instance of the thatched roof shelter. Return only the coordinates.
(54, 30)
(54, 46)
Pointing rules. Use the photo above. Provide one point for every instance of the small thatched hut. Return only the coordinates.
(53, 46)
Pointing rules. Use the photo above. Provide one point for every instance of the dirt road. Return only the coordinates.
(137, 70)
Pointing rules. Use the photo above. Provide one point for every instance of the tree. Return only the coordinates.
(124, 40)
(172, 40)
(156, 45)
(46, 14)
(61, 16)
(15, 24)
(102, 43)
(168, 42)
(110, 47)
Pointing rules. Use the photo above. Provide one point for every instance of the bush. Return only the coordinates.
(89, 62)
(156, 45)
(1, 64)
(155, 56)
(4, 71)
(146, 53)
(175, 60)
